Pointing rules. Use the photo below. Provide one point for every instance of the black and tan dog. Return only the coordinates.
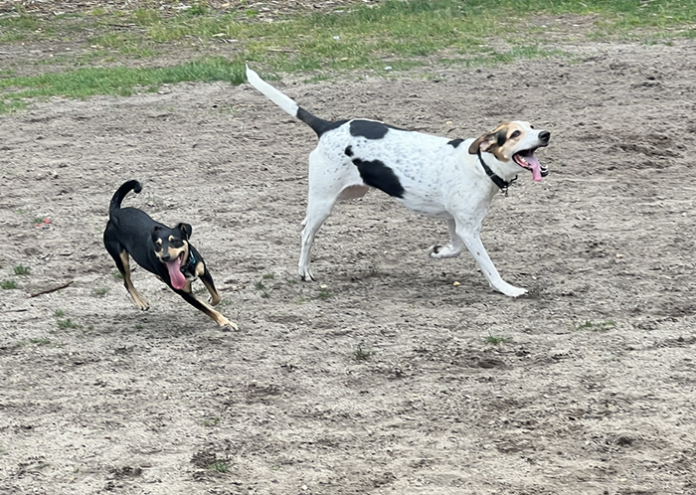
(160, 250)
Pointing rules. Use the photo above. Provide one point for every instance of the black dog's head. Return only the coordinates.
(172, 249)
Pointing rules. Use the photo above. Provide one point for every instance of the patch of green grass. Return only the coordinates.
(219, 466)
(291, 281)
(597, 326)
(59, 313)
(67, 324)
(393, 33)
(40, 341)
(224, 302)
(324, 294)
(211, 422)
(265, 294)
(138, 326)
(8, 284)
(117, 275)
(259, 285)
(268, 276)
(100, 292)
(21, 270)
(361, 354)
(496, 340)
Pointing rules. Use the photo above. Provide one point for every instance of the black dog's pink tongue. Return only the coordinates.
(175, 276)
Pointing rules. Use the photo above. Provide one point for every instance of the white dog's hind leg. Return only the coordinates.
(318, 210)
(475, 246)
(451, 250)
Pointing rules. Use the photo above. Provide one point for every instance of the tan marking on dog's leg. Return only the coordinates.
(217, 317)
(215, 298)
(139, 300)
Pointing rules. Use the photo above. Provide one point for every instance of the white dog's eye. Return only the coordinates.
(515, 134)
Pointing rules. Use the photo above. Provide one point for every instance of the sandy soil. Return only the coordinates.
(104, 398)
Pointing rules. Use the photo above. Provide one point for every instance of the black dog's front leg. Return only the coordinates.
(207, 280)
(205, 308)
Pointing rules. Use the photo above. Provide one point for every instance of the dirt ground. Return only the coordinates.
(592, 391)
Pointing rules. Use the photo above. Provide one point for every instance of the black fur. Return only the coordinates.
(370, 129)
(455, 142)
(134, 231)
(376, 174)
(320, 126)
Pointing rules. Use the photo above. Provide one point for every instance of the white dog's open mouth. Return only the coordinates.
(526, 159)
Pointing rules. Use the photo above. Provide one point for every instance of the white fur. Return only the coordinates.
(439, 179)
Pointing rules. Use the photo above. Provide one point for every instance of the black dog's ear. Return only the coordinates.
(185, 229)
(155, 232)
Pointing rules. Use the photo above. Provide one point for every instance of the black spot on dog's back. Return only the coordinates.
(370, 129)
(455, 142)
(376, 174)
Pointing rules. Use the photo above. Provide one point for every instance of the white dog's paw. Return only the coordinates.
(439, 252)
(306, 275)
(512, 291)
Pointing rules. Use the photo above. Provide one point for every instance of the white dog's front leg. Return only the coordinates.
(451, 250)
(475, 247)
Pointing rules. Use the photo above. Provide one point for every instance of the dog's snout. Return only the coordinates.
(545, 136)
(165, 257)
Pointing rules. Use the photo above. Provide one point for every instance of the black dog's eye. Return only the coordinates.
(176, 243)
(515, 134)
(531, 126)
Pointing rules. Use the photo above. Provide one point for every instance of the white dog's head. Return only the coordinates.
(515, 140)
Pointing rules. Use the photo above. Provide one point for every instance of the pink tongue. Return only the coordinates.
(536, 167)
(175, 276)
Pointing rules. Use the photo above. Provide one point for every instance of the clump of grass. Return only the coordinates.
(265, 294)
(59, 313)
(219, 466)
(8, 284)
(597, 326)
(324, 294)
(117, 275)
(101, 292)
(40, 341)
(362, 354)
(21, 270)
(496, 339)
(259, 285)
(211, 421)
(67, 324)
(268, 276)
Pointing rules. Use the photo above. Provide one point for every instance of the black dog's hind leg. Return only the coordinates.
(208, 310)
(139, 300)
(121, 259)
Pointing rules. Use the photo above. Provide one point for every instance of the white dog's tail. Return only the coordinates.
(320, 126)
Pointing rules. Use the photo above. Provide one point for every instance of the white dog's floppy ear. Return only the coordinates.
(483, 143)
(491, 139)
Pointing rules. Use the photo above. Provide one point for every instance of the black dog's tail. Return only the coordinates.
(131, 185)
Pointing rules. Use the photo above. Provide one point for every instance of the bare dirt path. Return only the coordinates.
(104, 398)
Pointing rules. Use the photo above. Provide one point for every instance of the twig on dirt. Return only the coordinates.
(19, 310)
(51, 289)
